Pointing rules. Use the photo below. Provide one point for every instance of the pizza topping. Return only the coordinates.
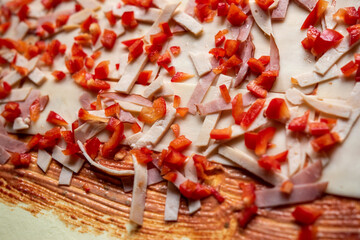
(315, 14)
(306, 215)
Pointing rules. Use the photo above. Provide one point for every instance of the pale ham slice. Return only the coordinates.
(43, 160)
(8, 54)
(245, 29)
(71, 162)
(131, 74)
(250, 164)
(37, 76)
(65, 176)
(88, 130)
(262, 18)
(90, 4)
(25, 106)
(21, 29)
(211, 120)
(190, 8)
(191, 174)
(310, 174)
(17, 95)
(307, 4)
(248, 99)
(4, 155)
(85, 101)
(177, 29)
(77, 18)
(326, 61)
(294, 96)
(274, 64)
(20, 124)
(153, 87)
(109, 171)
(246, 53)
(223, 161)
(12, 77)
(159, 3)
(131, 140)
(301, 193)
(200, 91)
(130, 107)
(354, 99)
(317, 156)
(142, 15)
(172, 203)
(329, 20)
(188, 22)
(157, 130)
(12, 145)
(311, 78)
(126, 117)
(153, 178)
(279, 12)
(344, 126)
(128, 98)
(139, 192)
(214, 106)
(165, 16)
(201, 61)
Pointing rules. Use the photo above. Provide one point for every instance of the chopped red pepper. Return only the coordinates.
(325, 142)
(235, 16)
(174, 159)
(263, 83)
(237, 110)
(217, 52)
(177, 100)
(11, 111)
(59, 75)
(278, 110)
(230, 63)
(92, 147)
(318, 128)
(287, 187)
(85, 26)
(194, 191)
(56, 119)
(354, 32)
(61, 20)
(252, 113)
(144, 77)
(204, 12)
(180, 143)
(110, 146)
(34, 141)
(95, 32)
(250, 140)
(181, 76)
(299, 124)
(221, 134)
(48, 27)
(222, 9)
(35, 110)
(246, 215)
(108, 39)
(248, 193)
(74, 64)
(143, 155)
(175, 50)
(89, 62)
(135, 50)
(139, 3)
(128, 20)
(202, 165)
(102, 70)
(225, 93)
(307, 232)
(349, 15)
(182, 111)
(327, 39)
(113, 122)
(135, 127)
(170, 176)
(272, 162)
(264, 4)
(111, 18)
(49, 4)
(306, 215)
(151, 114)
(315, 14)
(220, 37)
(50, 138)
(331, 122)
(349, 68)
(23, 12)
(20, 160)
(165, 29)
(263, 139)
(255, 65)
(97, 85)
(158, 38)
(5, 90)
(176, 129)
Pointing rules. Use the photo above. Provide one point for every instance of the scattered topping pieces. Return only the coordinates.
(108, 39)
(315, 14)
(221, 134)
(181, 76)
(272, 162)
(11, 111)
(252, 113)
(299, 124)
(325, 142)
(56, 119)
(306, 215)
(151, 114)
(278, 110)
(180, 143)
(237, 110)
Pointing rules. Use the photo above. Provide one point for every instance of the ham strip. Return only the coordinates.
(139, 192)
(246, 53)
(274, 64)
(248, 99)
(307, 4)
(85, 101)
(190, 8)
(274, 197)
(43, 102)
(153, 178)
(191, 174)
(43, 160)
(25, 106)
(279, 12)
(200, 91)
(310, 174)
(128, 98)
(12, 145)
(245, 29)
(17, 95)
(126, 117)
(214, 106)
(262, 18)
(4, 155)
(65, 176)
(172, 203)
(71, 162)
(88, 130)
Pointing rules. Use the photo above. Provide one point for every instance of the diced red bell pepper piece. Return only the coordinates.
(262, 84)
(307, 232)
(139, 3)
(246, 215)
(61, 20)
(165, 29)
(153, 52)
(135, 127)
(180, 143)
(299, 124)
(264, 4)
(181, 76)
(144, 77)
(255, 65)
(287, 187)
(112, 110)
(11, 111)
(349, 68)
(130, 42)
(158, 38)
(318, 128)
(111, 18)
(95, 32)
(328, 39)
(250, 140)
(4, 27)
(331, 122)
(174, 159)
(49, 4)
(56, 119)
(248, 193)
(85, 26)
(108, 39)
(35, 110)
(235, 16)
(202, 165)
(237, 110)
(252, 113)
(231, 47)
(71, 149)
(220, 37)
(59, 75)
(89, 62)
(135, 50)
(278, 110)
(230, 63)
(217, 52)
(102, 70)
(74, 64)
(222, 9)
(348, 15)
(194, 191)
(5, 90)
(177, 101)
(34, 141)
(264, 60)
(354, 32)
(143, 155)
(23, 12)
(86, 116)
(182, 111)
(128, 20)
(175, 50)
(272, 162)
(50, 138)
(306, 215)
(225, 93)
(110, 146)
(325, 142)
(221, 134)
(48, 27)
(263, 139)
(20, 160)
(113, 122)
(151, 114)
(176, 129)
(204, 12)
(164, 59)
(315, 14)
(170, 176)
(92, 147)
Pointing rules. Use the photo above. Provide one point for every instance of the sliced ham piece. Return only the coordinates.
(190, 8)
(71, 162)
(110, 171)
(307, 4)
(25, 106)
(4, 155)
(344, 126)
(142, 15)
(65, 176)
(17, 95)
(37, 76)
(12, 145)
(43, 160)
(153, 87)
(126, 117)
(279, 12)
(214, 106)
(85, 101)
(172, 203)
(274, 64)
(188, 22)
(310, 174)
(200, 91)
(139, 193)
(245, 29)
(248, 99)
(153, 178)
(129, 107)
(301, 193)
(246, 53)
(191, 174)
(262, 18)
(311, 78)
(88, 130)
(43, 102)
(250, 164)
(177, 29)
(201, 61)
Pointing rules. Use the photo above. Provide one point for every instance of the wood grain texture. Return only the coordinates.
(106, 207)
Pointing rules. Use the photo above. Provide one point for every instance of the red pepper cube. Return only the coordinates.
(278, 110)
(221, 134)
(108, 39)
(135, 50)
(225, 93)
(5, 90)
(181, 76)
(264, 4)
(102, 70)
(111, 18)
(56, 119)
(306, 215)
(252, 113)
(299, 124)
(59, 75)
(222, 9)
(231, 47)
(128, 20)
(220, 37)
(235, 16)
(180, 143)
(144, 77)
(354, 32)
(263, 139)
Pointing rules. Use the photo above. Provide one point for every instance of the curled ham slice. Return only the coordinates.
(246, 53)
(128, 98)
(310, 174)
(216, 105)
(172, 203)
(4, 155)
(88, 130)
(85, 101)
(12, 145)
(274, 64)
(279, 12)
(301, 193)
(200, 91)
(110, 171)
(307, 4)
(245, 29)
(153, 178)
